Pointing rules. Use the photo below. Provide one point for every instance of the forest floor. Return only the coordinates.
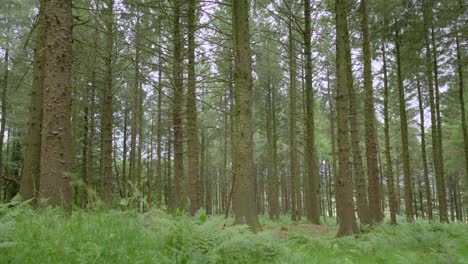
(156, 237)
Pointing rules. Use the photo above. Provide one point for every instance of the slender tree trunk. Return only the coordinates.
(329, 191)
(29, 184)
(160, 125)
(261, 188)
(423, 151)
(149, 195)
(224, 174)
(440, 159)
(177, 108)
(390, 181)
(56, 155)
(169, 188)
(293, 163)
(404, 133)
(4, 115)
(313, 212)
(333, 141)
(435, 144)
(344, 185)
(203, 173)
(375, 206)
(245, 210)
(273, 188)
(134, 124)
(193, 145)
(462, 103)
(84, 157)
(125, 149)
(420, 192)
(106, 110)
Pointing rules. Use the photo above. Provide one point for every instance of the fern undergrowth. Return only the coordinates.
(115, 236)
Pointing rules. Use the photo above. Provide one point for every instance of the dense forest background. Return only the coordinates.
(314, 109)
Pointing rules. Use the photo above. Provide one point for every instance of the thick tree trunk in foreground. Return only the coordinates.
(344, 184)
(245, 210)
(56, 154)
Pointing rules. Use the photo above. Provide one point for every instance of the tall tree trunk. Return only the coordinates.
(332, 139)
(134, 129)
(177, 108)
(149, 195)
(293, 164)
(435, 144)
(124, 151)
(245, 210)
(423, 151)
(4, 115)
(106, 110)
(344, 183)
(224, 174)
(193, 147)
(313, 212)
(29, 184)
(56, 155)
(273, 188)
(390, 181)
(375, 205)
(203, 173)
(84, 157)
(440, 159)
(404, 133)
(360, 179)
(169, 186)
(462, 103)
(160, 125)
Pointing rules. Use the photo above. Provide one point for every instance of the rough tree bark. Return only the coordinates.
(313, 182)
(344, 185)
(245, 210)
(56, 155)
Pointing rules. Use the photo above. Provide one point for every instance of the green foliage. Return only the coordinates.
(157, 237)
